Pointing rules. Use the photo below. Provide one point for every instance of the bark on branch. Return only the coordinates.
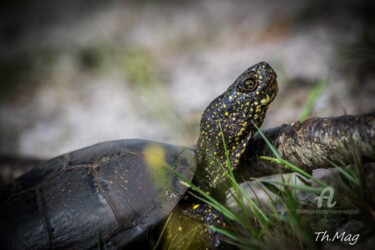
(312, 144)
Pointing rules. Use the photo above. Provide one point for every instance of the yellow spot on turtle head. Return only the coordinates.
(265, 100)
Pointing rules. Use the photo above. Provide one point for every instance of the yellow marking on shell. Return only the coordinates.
(230, 97)
(196, 206)
(154, 156)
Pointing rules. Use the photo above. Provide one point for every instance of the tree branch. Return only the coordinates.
(312, 144)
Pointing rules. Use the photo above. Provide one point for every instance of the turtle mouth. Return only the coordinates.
(271, 93)
(273, 89)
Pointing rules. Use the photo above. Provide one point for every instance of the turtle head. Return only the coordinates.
(230, 118)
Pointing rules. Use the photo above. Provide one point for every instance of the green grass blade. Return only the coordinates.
(303, 180)
(312, 98)
(295, 186)
(294, 168)
(346, 174)
(162, 232)
(273, 149)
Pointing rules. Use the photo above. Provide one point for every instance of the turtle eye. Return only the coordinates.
(250, 84)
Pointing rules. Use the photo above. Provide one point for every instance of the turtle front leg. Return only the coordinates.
(188, 227)
(210, 217)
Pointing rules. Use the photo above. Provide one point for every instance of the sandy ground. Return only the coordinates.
(73, 74)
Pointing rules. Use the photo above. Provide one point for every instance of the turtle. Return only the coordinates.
(118, 191)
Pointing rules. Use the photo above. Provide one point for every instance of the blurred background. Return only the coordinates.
(75, 73)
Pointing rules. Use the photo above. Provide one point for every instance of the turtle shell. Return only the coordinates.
(116, 191)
